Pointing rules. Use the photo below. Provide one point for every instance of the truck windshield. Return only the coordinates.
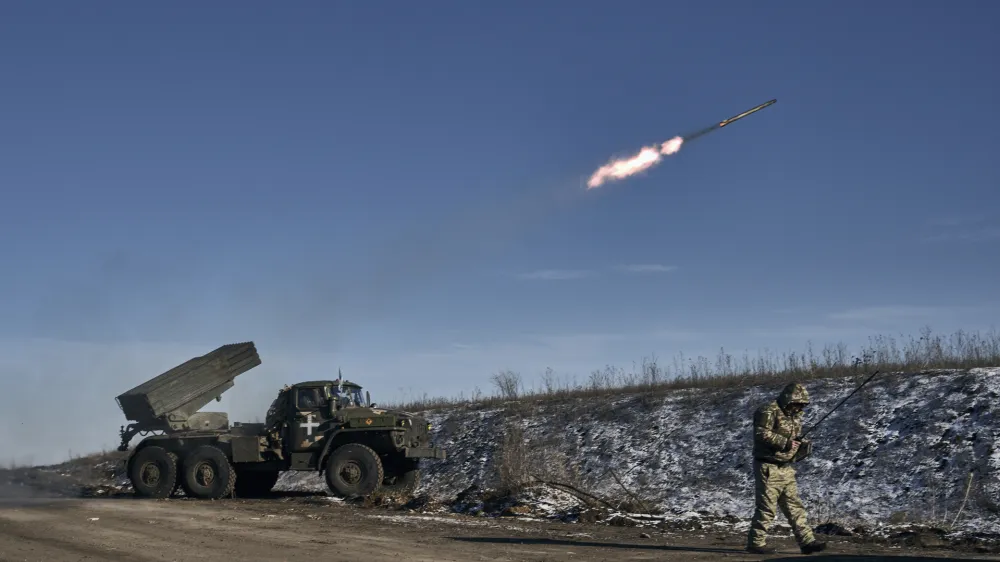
(349, 394)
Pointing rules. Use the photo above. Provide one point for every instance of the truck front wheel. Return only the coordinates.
(153, 472)
(207, 474)
(354, 470)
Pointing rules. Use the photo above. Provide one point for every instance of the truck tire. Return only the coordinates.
(153, 472)
(403, 478)
(207, 474)
(354, 470)
(254, 483)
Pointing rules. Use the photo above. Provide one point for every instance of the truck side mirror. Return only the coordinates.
(331, 407)
(368, 398)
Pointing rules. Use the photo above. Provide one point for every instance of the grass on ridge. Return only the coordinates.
(960, 350)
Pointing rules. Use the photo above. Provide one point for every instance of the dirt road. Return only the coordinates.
(58, 530)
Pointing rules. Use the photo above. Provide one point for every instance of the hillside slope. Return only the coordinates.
(900, 450)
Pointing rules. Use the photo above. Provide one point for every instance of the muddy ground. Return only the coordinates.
(301, 527)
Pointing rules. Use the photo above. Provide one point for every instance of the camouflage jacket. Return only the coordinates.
(773, 432)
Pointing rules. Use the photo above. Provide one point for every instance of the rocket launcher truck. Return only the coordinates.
(321, 425)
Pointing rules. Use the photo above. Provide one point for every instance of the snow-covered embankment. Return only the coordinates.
(901, 449)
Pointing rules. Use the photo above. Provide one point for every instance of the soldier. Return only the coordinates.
(776, 428)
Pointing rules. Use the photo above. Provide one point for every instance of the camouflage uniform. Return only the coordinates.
(774, 476)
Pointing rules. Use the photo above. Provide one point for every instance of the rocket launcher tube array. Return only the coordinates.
(188, 387)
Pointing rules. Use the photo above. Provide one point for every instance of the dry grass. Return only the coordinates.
(512, 466)
(520, 463)
(960, 350)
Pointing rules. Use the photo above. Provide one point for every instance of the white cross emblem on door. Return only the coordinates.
(309, 424)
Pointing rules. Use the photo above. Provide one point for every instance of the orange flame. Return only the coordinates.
(626, 167)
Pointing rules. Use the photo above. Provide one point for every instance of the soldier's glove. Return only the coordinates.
(805, 449)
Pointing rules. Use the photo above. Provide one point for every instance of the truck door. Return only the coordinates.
(309, 418)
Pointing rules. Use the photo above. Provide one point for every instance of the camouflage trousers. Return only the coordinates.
(775, 487)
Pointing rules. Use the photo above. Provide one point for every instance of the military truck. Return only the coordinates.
(322, 425)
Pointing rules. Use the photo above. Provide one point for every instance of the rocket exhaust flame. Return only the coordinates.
(649, 156)
(626, 167)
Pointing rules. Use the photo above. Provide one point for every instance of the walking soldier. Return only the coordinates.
(777, 426)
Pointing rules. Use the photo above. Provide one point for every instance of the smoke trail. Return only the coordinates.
(627, 167)
(325, 309)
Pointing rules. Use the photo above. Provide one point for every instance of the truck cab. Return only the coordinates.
(313, 411)
(332, 427)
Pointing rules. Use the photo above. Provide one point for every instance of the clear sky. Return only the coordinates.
(395, 189)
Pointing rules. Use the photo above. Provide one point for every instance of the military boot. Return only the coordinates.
(811, 547)
(761, 549)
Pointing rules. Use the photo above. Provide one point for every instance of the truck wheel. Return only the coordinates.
(354, 470)
(404, 478)
(207, 474)
(254, 483)
(153, 472)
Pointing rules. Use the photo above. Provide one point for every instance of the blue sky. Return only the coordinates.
(396, 189)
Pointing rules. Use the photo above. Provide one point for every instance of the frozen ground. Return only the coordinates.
(899, 451)
(312, 529)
